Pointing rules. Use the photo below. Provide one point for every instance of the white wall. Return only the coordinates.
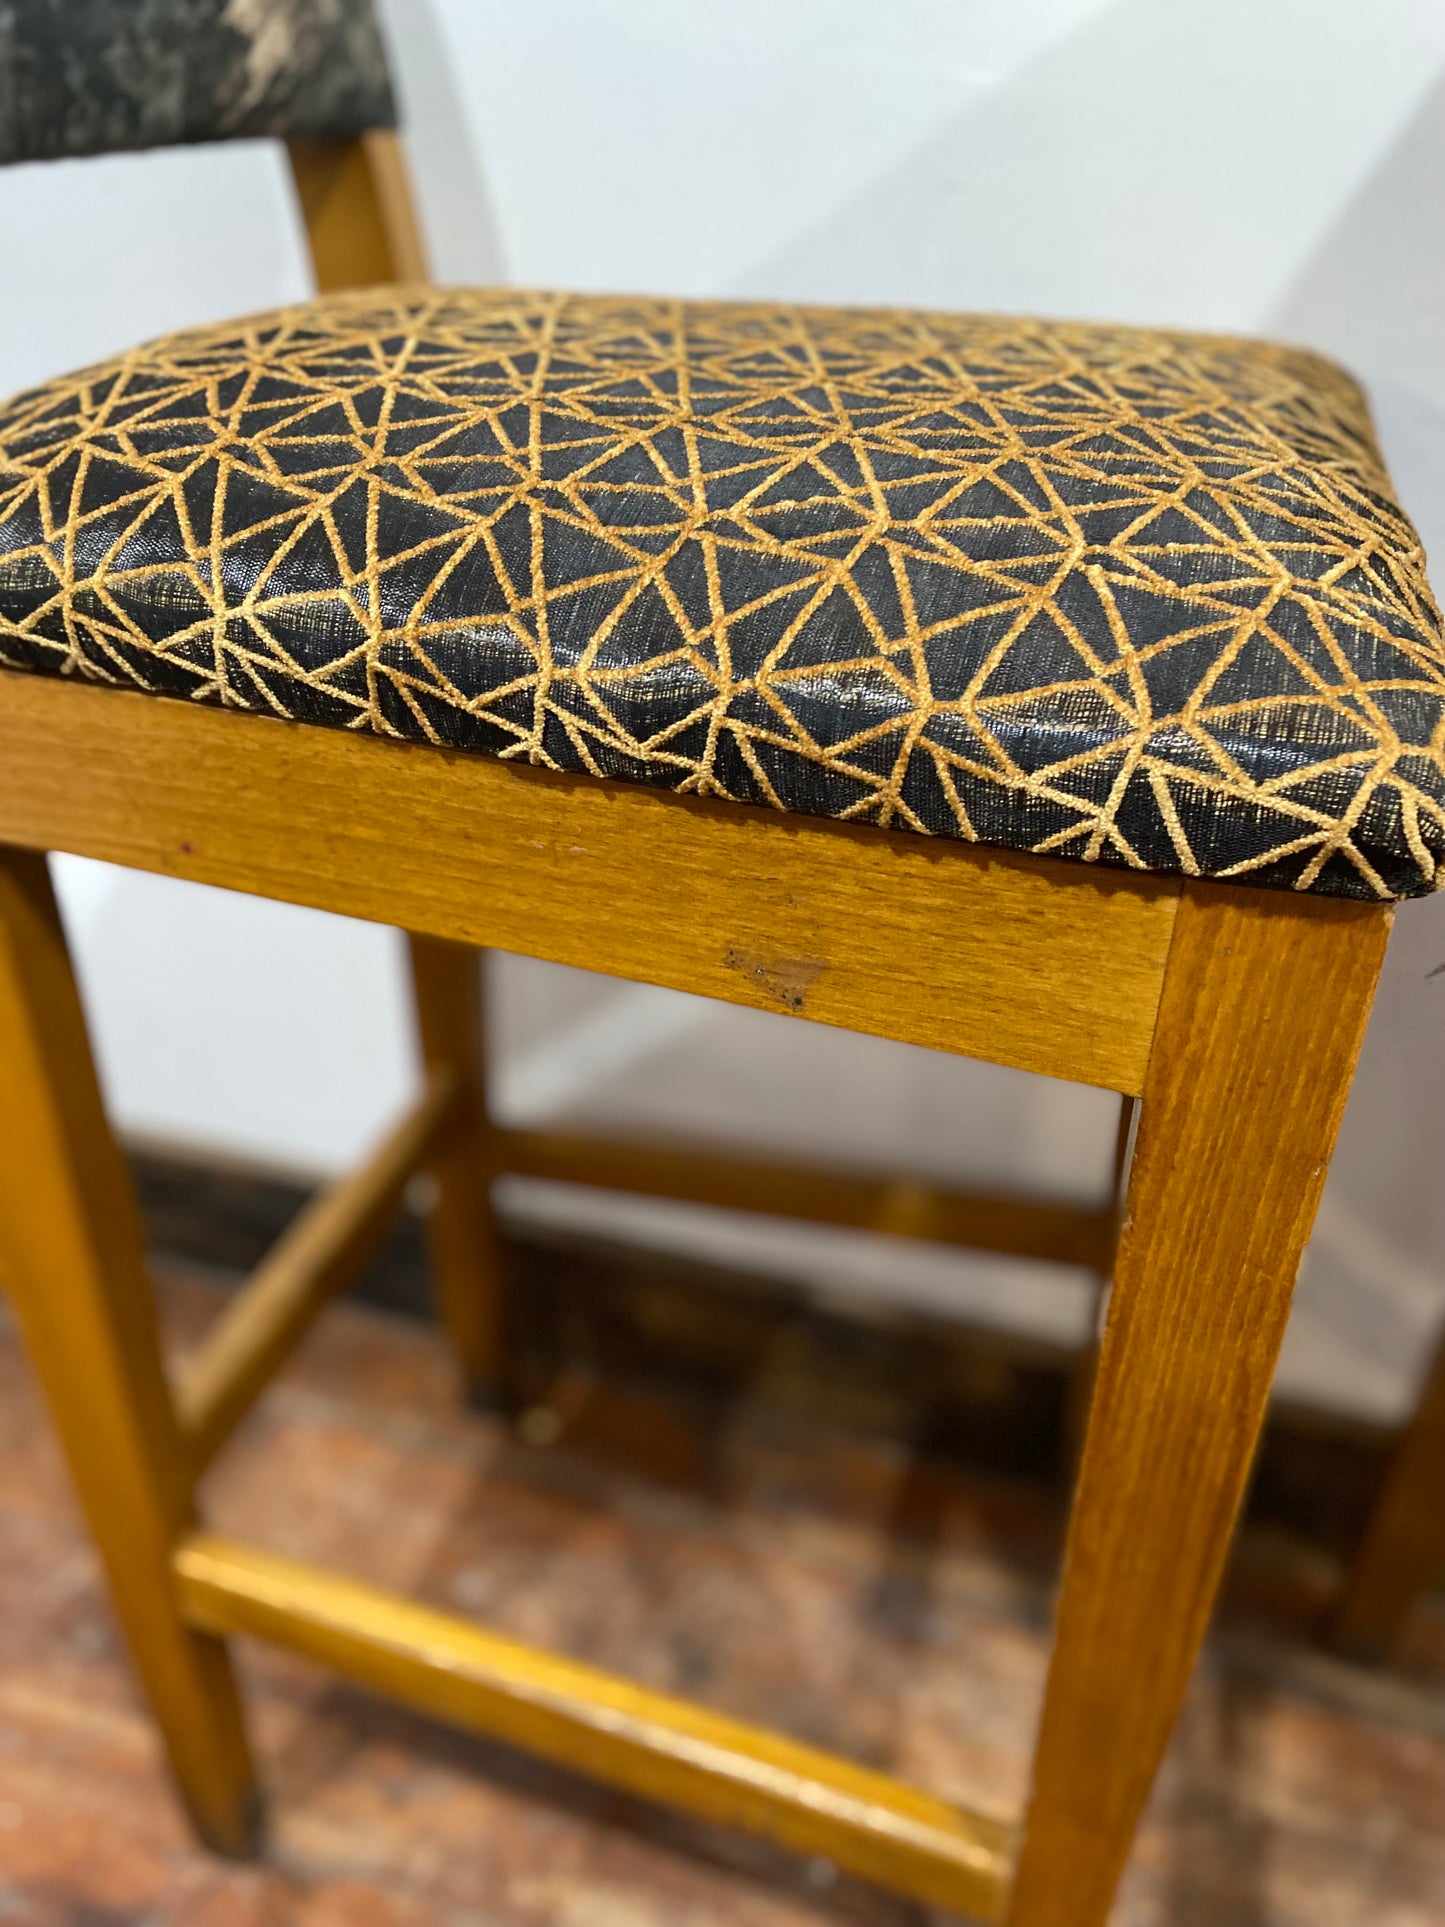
(1274, 169)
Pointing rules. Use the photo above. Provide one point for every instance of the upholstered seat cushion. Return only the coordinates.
(1127, 597)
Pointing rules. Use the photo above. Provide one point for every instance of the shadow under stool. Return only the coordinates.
(1065, 696)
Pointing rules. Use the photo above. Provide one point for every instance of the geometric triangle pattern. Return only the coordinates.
(1127, 597)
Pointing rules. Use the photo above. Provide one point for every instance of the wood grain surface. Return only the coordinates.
(464, 1245)
(1048, 966)
(356, 202)
(627, 1735)
(895, 1206)
(71, 1261)
(1264, 1008)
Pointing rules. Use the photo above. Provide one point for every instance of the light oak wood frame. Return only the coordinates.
(1234, 1015)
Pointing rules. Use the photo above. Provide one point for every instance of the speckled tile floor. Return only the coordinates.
(832, 1583)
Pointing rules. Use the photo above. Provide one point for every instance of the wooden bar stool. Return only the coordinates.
(940, 677)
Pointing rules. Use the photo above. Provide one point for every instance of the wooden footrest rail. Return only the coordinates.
(322, 1252)
(661, 1748)
(1021, 1227)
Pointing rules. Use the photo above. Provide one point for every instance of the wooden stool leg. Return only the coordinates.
(1404, 1543)
(1264, 1006)
(71, 1257)
(1079, 1393)
(466, 1249)
(356, 201)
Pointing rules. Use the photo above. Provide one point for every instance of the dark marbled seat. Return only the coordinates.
(103, 76)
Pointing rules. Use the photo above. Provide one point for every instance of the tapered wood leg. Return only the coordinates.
(1079, 1393)
(466, 1249)
(1404, 1544)
(71, 1258)
(1264, 1005)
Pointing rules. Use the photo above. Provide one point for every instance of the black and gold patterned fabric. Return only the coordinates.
(1127, 597)
(101, 76)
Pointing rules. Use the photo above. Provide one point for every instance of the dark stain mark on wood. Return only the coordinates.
(787, 980)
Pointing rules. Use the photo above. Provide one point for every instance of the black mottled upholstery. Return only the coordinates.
(101, 76)
(1121, 596)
